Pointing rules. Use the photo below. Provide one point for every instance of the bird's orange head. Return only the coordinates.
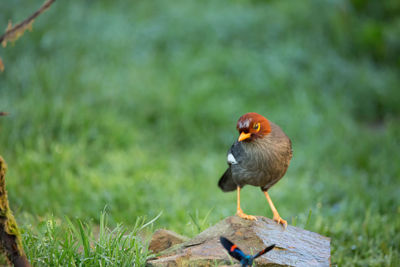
(252, 125)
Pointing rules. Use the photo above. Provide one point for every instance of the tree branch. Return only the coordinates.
(13, 33)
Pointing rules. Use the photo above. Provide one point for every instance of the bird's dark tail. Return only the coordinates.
(226, 182)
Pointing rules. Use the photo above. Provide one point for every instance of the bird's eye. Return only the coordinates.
(256, 126)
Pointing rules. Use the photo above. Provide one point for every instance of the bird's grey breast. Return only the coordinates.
(244, 166)
(235, 154)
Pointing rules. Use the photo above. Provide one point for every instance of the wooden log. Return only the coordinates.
(294, 246)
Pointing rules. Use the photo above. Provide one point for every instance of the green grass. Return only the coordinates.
(133, 105)
(56, 243)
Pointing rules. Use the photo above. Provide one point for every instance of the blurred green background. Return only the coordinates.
(133, 104)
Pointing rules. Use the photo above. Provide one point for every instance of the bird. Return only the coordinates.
(237, 253)
(260, 157)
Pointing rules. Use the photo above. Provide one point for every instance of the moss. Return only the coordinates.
(11, 243)
(12, 227)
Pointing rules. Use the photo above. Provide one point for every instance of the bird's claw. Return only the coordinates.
(281, 221)
(241, 214)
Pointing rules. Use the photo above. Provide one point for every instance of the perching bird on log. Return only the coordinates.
(260, 157)
(237, 253)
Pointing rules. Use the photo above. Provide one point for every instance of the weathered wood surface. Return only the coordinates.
(294, 246)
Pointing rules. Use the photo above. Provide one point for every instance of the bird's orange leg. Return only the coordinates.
(239, 211)
(276, 217)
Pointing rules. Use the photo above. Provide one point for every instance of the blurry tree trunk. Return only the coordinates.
(10, 239)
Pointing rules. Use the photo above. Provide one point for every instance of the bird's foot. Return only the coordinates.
(279, 220)
(241, 214)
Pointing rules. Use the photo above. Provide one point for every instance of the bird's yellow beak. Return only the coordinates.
(244, 136)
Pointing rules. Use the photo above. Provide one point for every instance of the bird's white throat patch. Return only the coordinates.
(231, 159)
